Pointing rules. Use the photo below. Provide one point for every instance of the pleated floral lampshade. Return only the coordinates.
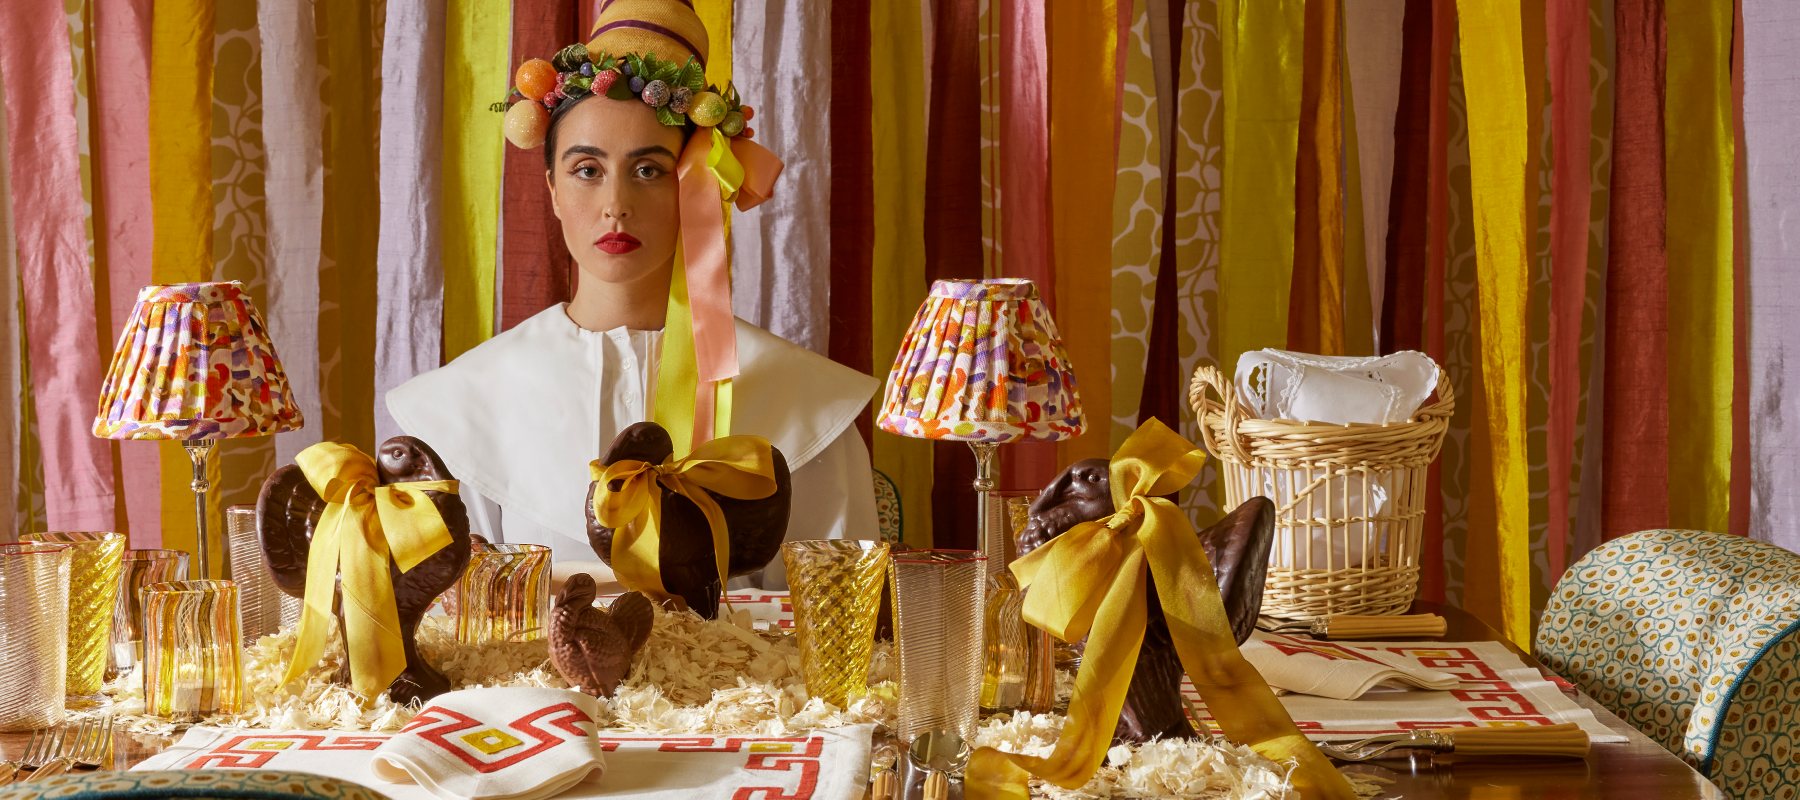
(195, 362)
(982, 362)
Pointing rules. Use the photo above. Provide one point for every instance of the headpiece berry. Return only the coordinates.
(678, 92)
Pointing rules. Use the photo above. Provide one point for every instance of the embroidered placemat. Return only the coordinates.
(823, 765)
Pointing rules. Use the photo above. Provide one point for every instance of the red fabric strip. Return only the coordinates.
(121, 144)
(1570, 200)
(1024, 172)
(852, 195)
(1636, 446)
(1443, 43)
(1409, 215)
(1165, 387)
(60, 322)
(953, 229)
(536, 270)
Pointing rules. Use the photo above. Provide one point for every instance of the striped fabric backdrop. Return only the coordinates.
(1575, 206)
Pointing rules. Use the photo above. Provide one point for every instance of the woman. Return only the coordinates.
(519, 418)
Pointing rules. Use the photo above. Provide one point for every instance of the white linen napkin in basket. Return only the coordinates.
(496, 744)
(1325, 669)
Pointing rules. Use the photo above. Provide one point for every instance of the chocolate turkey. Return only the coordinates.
(288, 510)
(593, 647)
(1237, 546)
(755, 528)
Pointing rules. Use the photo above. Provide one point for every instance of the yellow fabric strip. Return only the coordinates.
(180, 86)
(716, 16)
(1261, 42)
(1359, 323)
(1136, 230)
(1699, 142)
(1318, 277)
(678, 377)
(1494, 80)
(1083, 49)
(897, 279)
(475, 73)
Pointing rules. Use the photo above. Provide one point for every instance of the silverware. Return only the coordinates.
(1417, 740)
(83, 745)
(37, 751)
(97, 754)
(1565, 741)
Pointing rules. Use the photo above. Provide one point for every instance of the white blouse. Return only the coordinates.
(507, 419)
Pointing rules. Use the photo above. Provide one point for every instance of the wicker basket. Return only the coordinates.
(1350, 499)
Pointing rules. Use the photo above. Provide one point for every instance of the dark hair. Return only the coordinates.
(556, 118)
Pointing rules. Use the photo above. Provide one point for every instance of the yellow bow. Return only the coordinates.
(741, 467)
(364, 524)
(1090, 582)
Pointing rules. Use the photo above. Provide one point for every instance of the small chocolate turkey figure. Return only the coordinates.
(288, 510)
(593, 647)
(1237, 546)
(755, 528)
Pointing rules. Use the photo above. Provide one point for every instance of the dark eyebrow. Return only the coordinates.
(583, 150)
(651, 150)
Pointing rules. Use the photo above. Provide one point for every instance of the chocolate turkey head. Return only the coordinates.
(755, 528)
(1081, 493)
(404, 459)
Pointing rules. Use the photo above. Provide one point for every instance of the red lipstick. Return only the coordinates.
(618, 243)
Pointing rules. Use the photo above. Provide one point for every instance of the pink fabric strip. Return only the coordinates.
(53, 264)
(121, 145)
(1570, 199)
(1024, 170)
(708, 272)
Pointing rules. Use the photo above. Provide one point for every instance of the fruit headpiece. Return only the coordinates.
(655, 51)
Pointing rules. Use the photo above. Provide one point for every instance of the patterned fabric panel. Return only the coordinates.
(1755, 755)
(889, 518)
(222, 784)
(1660, 625)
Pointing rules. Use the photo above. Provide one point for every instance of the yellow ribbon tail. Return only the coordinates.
(724, 165)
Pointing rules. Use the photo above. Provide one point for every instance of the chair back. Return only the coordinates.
(888, 516)
(216, 784)
(1691, 637)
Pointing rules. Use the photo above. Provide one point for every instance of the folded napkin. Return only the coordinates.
(496, 744)
(1278, 384)
(1352, 626)
(1324, 669)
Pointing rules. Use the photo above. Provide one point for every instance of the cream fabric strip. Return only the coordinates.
(782, 251)
(1772, 167)
(1372, 36)
(409, 270)
(292, 133)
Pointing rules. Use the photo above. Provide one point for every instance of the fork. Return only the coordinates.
(37, 751)
(1564, 740)
(82, 746)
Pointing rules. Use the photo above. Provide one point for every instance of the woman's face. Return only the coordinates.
(613, 187)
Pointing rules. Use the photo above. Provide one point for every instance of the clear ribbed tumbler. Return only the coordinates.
(835, 588)
(34, 634)
(141, 568)
(266, 609)
(193, 650)
(939, 597)
(95, 559)
(504, 594)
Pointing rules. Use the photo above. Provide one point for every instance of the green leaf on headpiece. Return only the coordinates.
(636, 63)
(693, 76)
(667, 117)
(621, 90)
(577, 85)
(666, 72)
(570, 59)
(731, 96)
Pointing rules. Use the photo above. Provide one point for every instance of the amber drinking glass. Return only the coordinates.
(266, 609)
(193, 650)
(938, 604)
(95, 559)
(141, 568)
(835, 588)
(504, 594)
(34, 634)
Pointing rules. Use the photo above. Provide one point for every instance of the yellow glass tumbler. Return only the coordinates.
(193, 650)
(504, 594)
(835, 588)
(95, 559)
(34, 609)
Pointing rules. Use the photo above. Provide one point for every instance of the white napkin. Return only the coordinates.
(1326, 669)
(1278, 384)
(496, 744)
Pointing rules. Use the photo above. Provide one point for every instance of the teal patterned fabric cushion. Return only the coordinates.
(1693, 638)
(202, 783)
(889, 519)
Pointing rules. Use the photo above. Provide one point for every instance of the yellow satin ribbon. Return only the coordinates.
(1090, 581)
(741, 467)
(364, 524)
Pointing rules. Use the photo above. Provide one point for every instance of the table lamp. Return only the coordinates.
(194, 364)
(982, 363)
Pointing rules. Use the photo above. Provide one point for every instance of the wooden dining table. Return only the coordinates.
(1637, 769)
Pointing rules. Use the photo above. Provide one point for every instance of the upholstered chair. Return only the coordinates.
(199, 784)
(1692, 638)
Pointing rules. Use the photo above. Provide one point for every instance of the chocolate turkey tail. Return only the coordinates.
(635, 616)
